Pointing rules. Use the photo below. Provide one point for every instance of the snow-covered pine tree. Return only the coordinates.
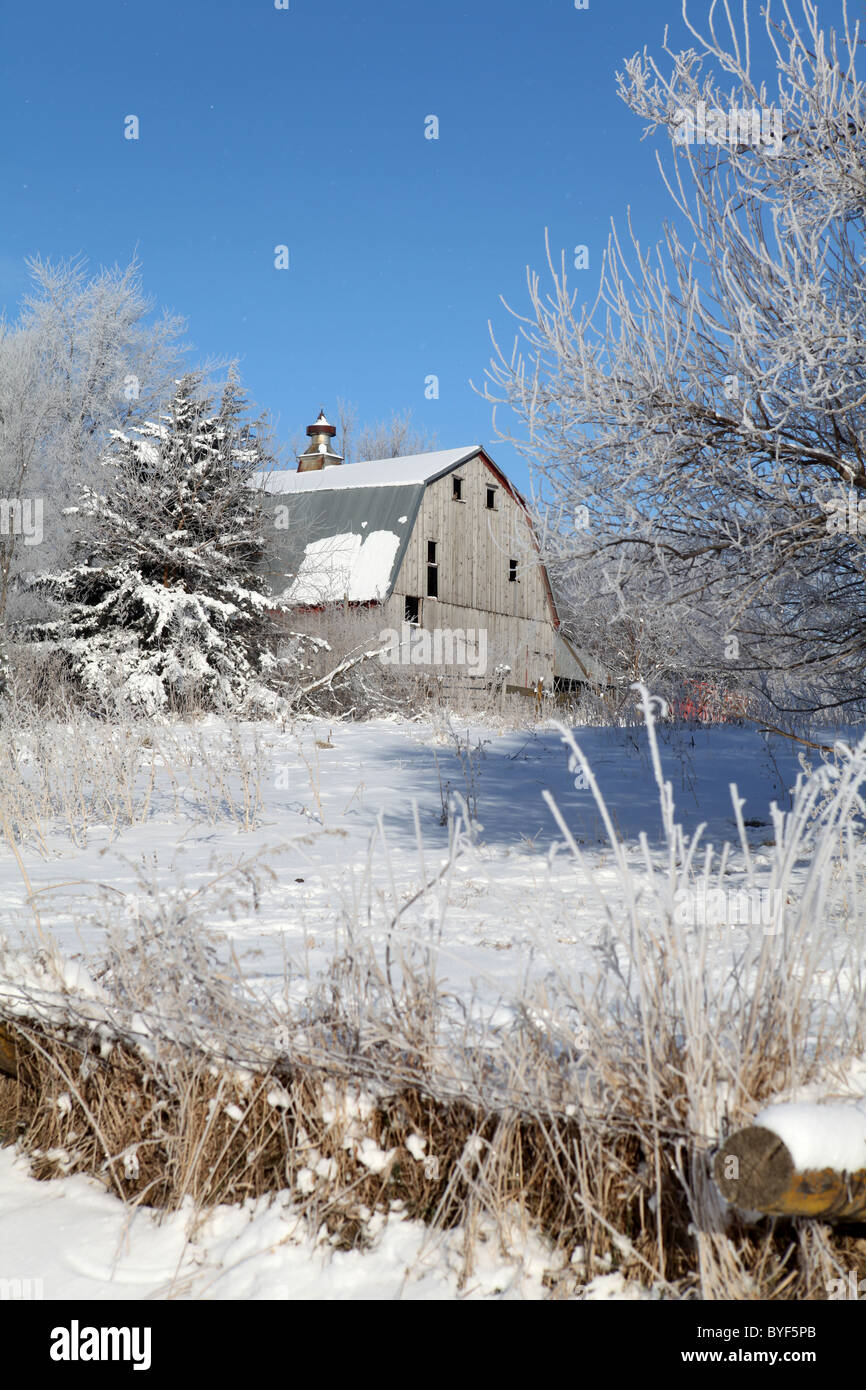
(164, 607)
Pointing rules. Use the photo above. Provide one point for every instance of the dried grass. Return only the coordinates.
(596, 1130)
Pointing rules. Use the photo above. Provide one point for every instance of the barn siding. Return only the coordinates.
(474, 547)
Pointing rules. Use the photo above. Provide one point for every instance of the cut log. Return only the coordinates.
(8, 1056)
(754, 1171)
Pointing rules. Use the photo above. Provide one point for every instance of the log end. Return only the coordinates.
(753, 1169)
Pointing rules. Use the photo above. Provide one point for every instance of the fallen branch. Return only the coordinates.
(339, 670)
(772, 729)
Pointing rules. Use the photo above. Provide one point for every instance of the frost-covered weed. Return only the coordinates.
(68, 778)
(593, 1112)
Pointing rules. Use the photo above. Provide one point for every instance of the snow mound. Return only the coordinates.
(831, 1135)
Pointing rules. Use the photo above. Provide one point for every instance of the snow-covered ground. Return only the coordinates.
(69, 1239)
(351, 827)
(338, 826)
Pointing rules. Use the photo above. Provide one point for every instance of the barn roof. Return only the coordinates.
(343, 542)
(394, 472)
(574, 664)
(349, 526)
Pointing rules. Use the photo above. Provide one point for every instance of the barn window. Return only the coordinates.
(413, 609)
(491, 499)
(432, 574)
(457, 485)
(512, 571)
(431, 552)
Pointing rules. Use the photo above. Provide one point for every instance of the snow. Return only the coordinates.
(39, 985)
(606, 1287)
(372, 1156)
(509, 902)
(73, 1240)
(148, 451)
(336, 827)
(830, 1135)
(395, 472)
(345, 566)
(416, 1146)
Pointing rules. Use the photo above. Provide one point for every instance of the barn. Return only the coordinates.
(440, 541)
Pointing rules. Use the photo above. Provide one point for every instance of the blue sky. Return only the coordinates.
(305, 127)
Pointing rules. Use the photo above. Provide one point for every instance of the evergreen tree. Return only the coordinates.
(164, 605)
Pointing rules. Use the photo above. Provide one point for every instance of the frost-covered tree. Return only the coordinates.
(707, 407)
(385, 439)
(85, 354)
(164, 608)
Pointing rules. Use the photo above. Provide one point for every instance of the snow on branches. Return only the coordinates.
(164, 606)
(705, 408)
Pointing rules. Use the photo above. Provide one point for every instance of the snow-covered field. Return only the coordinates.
(338, 828)
(279, 840)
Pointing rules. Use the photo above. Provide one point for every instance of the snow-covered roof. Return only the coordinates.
(396, 472)
(337, 543)
(351, 566)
